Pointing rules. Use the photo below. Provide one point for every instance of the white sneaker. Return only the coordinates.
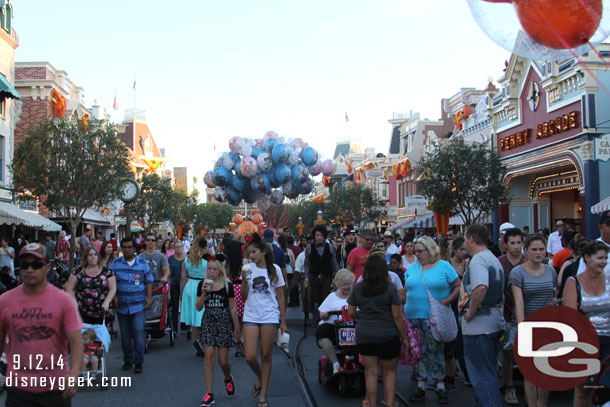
(510, 397)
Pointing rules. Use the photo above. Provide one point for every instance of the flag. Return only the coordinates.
(134, 85)
(115, 105)
(346, 118)
(214, 146)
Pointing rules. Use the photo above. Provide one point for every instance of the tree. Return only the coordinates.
(185, 208)
(70, 166)
(156, 203)
(466, 179)
(354, 204)
(213, 215)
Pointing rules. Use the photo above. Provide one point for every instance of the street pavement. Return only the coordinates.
(174, 376)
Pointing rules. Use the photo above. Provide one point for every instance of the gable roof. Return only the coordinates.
(341, 149)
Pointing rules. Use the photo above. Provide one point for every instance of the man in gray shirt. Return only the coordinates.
(159, 267)
(84, 241)
(481, 316)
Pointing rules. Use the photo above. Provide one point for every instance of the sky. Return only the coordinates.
(206, 71)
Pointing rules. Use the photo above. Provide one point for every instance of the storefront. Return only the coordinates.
(541, 135)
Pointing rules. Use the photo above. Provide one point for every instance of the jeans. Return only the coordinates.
(133, 336)
(174, 296)
(481, 352)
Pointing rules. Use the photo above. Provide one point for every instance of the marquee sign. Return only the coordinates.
(543, 130)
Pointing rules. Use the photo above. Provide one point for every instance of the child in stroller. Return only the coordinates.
(91, 351)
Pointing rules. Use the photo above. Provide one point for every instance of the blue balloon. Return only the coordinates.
(280, 154)
(299, 173)
(256, 150)
(309, 156)
(237, 166)
(270, 145)
(233, 197)
(238, 182)
(282, 174)
(260, 183)
(249, 194)
(234, 157)
(306, 187)
(221, 176)
(272, 180)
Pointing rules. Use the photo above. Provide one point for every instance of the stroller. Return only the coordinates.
(101, 374)
(350, 377)
(158, 317)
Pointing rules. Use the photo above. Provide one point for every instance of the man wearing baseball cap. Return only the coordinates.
(604, 230)
(40, 321)
(500, 248)
(554, 243)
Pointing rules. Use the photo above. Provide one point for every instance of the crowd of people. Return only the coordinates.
(234, 292)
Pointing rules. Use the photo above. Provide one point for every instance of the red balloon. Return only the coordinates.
(558, 24)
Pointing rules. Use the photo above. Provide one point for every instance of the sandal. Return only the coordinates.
(257, 390)
(263, 404)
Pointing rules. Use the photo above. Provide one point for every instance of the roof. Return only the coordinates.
(342, 149)
(395, 141)
(135, 140)
(13, 215)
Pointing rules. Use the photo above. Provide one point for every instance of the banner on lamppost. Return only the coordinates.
(602, 148)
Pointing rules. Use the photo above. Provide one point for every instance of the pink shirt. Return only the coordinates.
(356, 259)
(37, 327)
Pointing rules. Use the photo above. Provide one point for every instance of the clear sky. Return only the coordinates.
(210, 70)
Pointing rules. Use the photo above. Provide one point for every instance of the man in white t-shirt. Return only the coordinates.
(604, 230)
(554, 243)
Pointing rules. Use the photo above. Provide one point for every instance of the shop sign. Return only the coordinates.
(543, 130)
(602, 148)
(374, 173)
(416, 204)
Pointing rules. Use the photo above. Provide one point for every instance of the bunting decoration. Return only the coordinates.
(58, 103)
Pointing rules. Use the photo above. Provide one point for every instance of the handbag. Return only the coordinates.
(410, 355)
(442, 320)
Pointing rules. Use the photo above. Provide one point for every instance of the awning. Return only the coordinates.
(604, 205)
(401, 223)
(420, 222)
(457, 220)
(7, 90)
(13, 215)
(95, 218)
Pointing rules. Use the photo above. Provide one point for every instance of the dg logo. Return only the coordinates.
(557, 348)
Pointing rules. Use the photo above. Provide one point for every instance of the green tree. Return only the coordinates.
(466, 179)
(156, 203)
(71, 166)
(185, 208)
(213, 215)
(354, 204)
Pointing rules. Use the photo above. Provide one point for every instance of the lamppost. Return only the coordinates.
(300, 226)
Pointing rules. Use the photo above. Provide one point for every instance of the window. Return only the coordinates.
(7, 15)
(148, 150)
(3, 108)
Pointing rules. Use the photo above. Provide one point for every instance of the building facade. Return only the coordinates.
(547, 116)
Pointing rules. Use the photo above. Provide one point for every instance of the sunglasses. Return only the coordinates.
(151, 240)
(36, 264)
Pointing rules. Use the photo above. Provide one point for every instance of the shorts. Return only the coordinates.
(384, 350)
(259, 324)
(19, 398)
(326, 331)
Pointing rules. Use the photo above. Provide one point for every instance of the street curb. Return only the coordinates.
(298, 367)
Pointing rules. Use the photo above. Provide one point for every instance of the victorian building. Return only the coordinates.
(547, 116)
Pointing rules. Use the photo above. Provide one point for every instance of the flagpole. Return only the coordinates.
(134, 95)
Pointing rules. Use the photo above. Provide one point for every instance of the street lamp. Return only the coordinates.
(300, 226)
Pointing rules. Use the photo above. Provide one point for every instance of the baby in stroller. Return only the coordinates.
(91, 351)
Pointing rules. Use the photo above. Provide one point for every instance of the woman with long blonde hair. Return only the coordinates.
(219, 325)
(193, 271)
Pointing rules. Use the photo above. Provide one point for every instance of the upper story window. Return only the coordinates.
(148, 148)
(410, 140)
(6, 13)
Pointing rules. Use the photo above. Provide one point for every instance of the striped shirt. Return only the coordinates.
(131, 284)
(537, 291)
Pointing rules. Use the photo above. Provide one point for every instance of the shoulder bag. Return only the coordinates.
(442, 320)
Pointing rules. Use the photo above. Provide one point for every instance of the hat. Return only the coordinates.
(604, 217)
(505, 226)
(268, 235)
(388, 233)
(559, 223)
(33, 249)
(62, 233)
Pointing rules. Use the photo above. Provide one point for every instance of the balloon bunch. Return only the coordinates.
(267, 170)
(544, 30)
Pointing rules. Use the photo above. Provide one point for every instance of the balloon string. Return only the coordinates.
(571, 51)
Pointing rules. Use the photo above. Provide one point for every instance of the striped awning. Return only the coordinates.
(604, 205)
(457, 220)
(427, 221)
(13, 215)
(400, 224)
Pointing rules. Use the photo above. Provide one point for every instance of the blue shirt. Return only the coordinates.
(131, 284)
(278, 256)
(438, 280)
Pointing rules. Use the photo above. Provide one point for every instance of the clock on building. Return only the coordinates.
(130, 190)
